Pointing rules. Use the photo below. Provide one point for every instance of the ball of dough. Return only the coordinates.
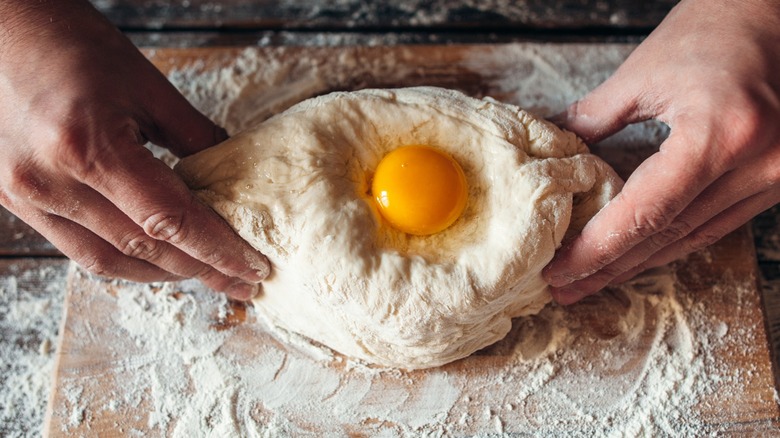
(297, 186)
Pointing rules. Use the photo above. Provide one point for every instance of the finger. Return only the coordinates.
(604, 111)
(139, 184)
(172, 121)
(109, 223)
(88, 250)
(709, 232)
(727, 191)
(629, 218)
(100, 258)
(703, 236)
(153, 196)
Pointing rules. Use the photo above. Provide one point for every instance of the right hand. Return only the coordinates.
(709, 71)
(77, 104)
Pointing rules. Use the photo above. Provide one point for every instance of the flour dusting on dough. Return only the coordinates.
(296, 188)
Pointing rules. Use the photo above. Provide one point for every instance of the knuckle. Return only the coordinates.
(83, 150)
(25, 181)
(772, 167)
(676, 230)
(752, 122)
(773, 176)
(651, 218)
(167, 226)
(749, 122)
(72, 149)
(701, 239)
(140, 246)
(97, 265)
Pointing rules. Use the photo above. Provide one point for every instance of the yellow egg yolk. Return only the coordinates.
(419, 190)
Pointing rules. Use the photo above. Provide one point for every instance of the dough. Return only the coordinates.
(296, 188)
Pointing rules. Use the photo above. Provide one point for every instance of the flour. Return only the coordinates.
(295, 188)
(30, 310)
(562, 372)
(182, 366)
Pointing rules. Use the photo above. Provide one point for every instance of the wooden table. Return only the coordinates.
(353, 22)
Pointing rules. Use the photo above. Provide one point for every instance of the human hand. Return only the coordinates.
(77, 103)
(710, 71)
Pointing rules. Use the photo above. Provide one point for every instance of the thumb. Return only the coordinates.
(604, 111)
(175, 123)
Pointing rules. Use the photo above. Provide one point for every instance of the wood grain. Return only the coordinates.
(19, 239)
(715, 287)
(32, 291)
(95, 352)
(374, 15)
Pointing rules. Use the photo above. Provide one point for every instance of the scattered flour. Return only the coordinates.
(30, 311)
(179, 367)
(643, 359)
(542, 78)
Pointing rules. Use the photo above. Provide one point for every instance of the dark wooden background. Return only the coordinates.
(230, 22)
(191, 23)
(361, 15)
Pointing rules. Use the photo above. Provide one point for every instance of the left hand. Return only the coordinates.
(77, 103)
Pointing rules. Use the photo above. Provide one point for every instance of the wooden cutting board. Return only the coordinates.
(680, 351)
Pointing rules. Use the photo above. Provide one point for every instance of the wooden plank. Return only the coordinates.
(703, 275)
(700, 328)
(268, 38)
(729, 363)
(365, 16)
(17, 238)
(33, 277)
(766, 231)
(32, 292)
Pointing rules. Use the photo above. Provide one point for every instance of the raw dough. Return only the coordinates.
(296, 188)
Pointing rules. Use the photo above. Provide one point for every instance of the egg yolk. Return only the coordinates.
(419, 190)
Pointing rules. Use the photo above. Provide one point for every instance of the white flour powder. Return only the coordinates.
(643, 367)
(30, 310)
(180, 368)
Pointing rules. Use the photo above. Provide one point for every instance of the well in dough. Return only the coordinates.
(296, 188)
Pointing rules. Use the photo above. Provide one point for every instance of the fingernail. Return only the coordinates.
(262, 269)
(243, 291)
(560, 281)
(555, 279)
(565, 296)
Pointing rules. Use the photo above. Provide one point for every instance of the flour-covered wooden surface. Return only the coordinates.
(33, 285)
(662, 355)
(665, 354)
